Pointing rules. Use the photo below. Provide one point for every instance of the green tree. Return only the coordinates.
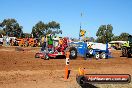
(115, 38)
(26, 35)
(123, 36)
(104, 33)
(2, 33)
(41, 29)
(11, 27)
(54, 27)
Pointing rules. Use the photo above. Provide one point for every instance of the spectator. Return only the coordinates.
(7, 41)
(11, 42)
(44, 43)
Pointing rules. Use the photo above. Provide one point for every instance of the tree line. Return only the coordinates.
(12, 28)
(105, 34)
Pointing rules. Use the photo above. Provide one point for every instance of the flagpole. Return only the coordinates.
(79, 31)
(80, 27)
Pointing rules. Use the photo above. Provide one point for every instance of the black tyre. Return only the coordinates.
(124, 52)
(128, 53)
(103, 55)
(97, 55)
(73, 53)
(46, 57)
(80, 80)
(91, 51)
(37, 56)
(88, 56)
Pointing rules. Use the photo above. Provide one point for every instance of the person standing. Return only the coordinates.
(7, 41)
(44, 43)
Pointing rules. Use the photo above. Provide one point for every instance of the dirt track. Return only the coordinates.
(19, 69)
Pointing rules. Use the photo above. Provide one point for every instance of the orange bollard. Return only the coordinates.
(66, 72)
(66, 67)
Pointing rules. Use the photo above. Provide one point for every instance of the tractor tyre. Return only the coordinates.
(103, 55)
(73, 53)
(90, 51)
(36, 56)
(97, 55)
(124, 52)
(46, 57)
(88, 55)
(80, 80)
(128, 53)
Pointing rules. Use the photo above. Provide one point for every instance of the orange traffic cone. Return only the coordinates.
(81, 71)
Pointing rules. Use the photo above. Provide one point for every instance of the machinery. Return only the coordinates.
(32, 42)
(26, 42)
(58, 47)
(54, 48)
(127, 47)
(117, 44)
(82, 49)
(21, 42)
